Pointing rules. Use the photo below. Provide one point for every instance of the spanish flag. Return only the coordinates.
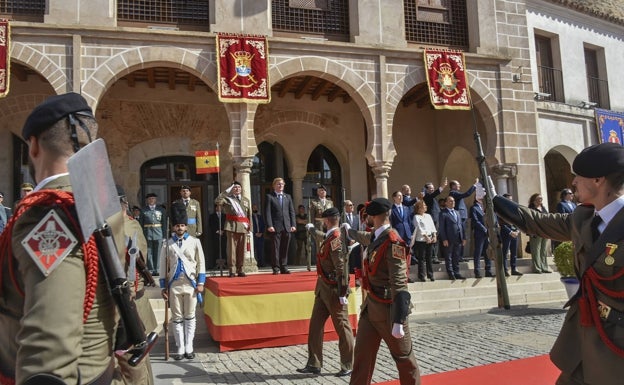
(207, 162)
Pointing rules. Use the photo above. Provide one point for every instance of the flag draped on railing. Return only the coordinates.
(447, 80)
(207, 162)
(243, 69)
(5, 59)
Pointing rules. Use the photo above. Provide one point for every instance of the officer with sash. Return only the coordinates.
(237, 226)
(590, 347)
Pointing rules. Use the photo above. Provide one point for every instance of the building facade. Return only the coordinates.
(349, 108)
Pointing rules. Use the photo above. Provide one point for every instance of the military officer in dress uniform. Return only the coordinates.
(237, 226)
(330, 298)
(132, 248)
(319, 205)
(154, 222)
(57, 315)
(182, 278)
(384, 311)
(590, 347)
(193, 212)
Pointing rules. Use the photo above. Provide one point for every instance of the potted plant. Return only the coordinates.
(564, 260)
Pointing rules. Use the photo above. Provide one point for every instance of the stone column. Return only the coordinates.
(501, 174)
(381, 170)
(242, 168)
(297, 191)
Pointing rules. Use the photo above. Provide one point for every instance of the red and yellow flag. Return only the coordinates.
(447, 80)
(207, 162)
(5, 57)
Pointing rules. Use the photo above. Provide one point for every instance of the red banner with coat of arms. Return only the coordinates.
(447, 80)
(5, 60)
(243, 69)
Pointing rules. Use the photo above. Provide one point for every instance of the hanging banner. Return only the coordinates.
(5, 60)
(610, 126)
(447, 80)
(243, 69)
(207, 162)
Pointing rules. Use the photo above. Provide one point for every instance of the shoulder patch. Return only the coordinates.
(394, 236)
(49, 242)
(336, 244)
(398, 251)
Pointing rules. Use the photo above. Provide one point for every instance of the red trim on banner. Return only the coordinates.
(243, 69)
(5, 57)
(447, 80)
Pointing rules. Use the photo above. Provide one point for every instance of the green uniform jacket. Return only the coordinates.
(193, 212)
(43, 331)
(577, 344)
(228, 209)
(333, 267)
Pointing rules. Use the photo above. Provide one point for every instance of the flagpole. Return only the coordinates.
(220, 260)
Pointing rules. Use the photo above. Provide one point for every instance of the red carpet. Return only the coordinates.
(529, 371)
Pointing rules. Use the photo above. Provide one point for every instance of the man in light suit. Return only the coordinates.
(589, 347)
(279, 217)
(452, 237)
(237, 226)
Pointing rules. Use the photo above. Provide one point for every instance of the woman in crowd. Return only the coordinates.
(423, 238)
(538, 244)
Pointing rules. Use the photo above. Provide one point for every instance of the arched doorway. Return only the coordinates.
(558, 176)
(323, 168)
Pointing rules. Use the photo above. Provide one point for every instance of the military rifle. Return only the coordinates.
(166, 298)
(96, 199)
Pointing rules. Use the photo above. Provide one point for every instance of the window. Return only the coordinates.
(327, 18)
(187, 14)
(436, 22)
(549, 74)
(23, 10)
(597, 85)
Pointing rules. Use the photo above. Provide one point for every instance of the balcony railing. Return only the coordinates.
(22, 10)
(188, 14)
(598, 92)
(328, 19)
(443, 24)
(551, 82)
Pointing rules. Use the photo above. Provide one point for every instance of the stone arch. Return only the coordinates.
(14, 113)
(197, 63)
(38, 61)
(151, 149)
(361, 91)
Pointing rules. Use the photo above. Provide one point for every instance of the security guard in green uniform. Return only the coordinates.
(384, 312)
(57, 315)
(153, 219)
(131, 248)
(590, 346)
(330, 298)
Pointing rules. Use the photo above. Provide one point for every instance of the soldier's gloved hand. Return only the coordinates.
(343, 300)
(309, 226)
(346, 226)
(229, 188)
(397, 331)
(492, 190)
(480, 191)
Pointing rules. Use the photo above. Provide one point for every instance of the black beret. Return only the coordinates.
(321, 187)
(599, 160)
(135, 208)
(330, 212)
(378, 206)
(151, 195)
(52, 110)
(185, 187)
(27, 186)
(236, 183)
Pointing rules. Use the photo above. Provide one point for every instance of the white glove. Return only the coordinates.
(309, 226)
(343, 300)
(492, 190)
(480, 191)
(346, 226)
(229, 188)
(397, 331)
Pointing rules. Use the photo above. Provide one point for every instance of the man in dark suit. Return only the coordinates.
(460, 205)
(481, 240)
(408, 199)
(453, 238)
(353, 219)
(400, 217)
(216, 223)
(433, 209)
(279, 217)
(257, 222)
(5, 213)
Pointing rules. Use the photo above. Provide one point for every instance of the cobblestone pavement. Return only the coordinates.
(441, 344)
